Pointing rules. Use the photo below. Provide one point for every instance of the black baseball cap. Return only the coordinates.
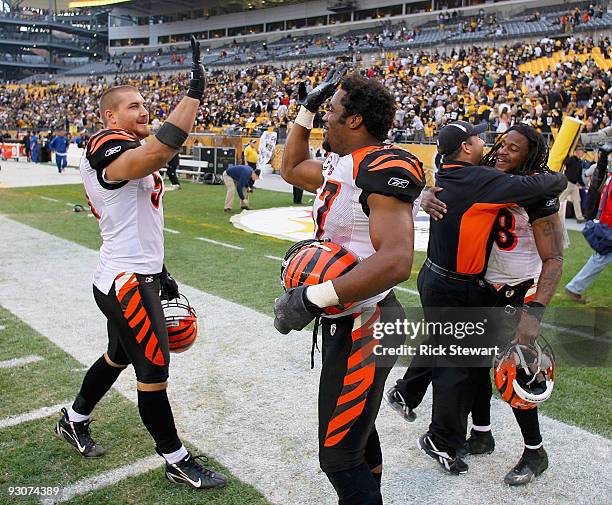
(454, 134)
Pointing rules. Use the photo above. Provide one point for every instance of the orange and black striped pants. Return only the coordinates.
(352, 385)
(137, 331)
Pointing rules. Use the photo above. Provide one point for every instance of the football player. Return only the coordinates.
(364, 202)
(524, 268)
(125, 193)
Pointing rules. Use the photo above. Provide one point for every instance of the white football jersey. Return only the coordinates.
(514, 257)
(130, 213)
(340, 210)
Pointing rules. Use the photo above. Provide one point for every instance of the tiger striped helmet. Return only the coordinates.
(181, 322)
(312, 262)
(525, 375)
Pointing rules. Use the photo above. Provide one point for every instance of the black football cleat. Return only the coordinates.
(454, 465)
(188, 471)
(395, 399)
(531, 464)
(78, 436)
(480, 442)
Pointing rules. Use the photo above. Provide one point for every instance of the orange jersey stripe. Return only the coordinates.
(365, 377)
(137, 319)
(132, 305)
(405, 164)
(345, 417)
(143, 331)
(109, 138)
(475, 227)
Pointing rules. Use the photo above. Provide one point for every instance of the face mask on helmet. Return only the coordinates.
(181, 322)
(311, 262)
(525, 375)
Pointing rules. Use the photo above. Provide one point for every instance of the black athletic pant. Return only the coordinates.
(453, 384)
(298, 193)
(350, 392)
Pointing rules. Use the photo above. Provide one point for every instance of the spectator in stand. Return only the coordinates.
(250, 154)
(597, 263)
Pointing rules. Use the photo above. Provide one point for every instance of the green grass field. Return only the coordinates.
(245, 277)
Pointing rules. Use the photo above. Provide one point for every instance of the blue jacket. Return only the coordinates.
(59, 144)
(242, 177)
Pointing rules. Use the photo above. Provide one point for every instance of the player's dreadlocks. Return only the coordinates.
(537, 156)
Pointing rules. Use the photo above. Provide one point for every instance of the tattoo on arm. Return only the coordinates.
(548, 234)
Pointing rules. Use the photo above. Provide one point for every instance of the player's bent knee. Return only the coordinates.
(112, 363)
(158, 386)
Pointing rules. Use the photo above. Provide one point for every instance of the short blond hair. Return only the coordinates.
(110, 99)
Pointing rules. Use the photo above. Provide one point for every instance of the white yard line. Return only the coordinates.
(275, 258)
(31, 416)
(222, 244)
(105, 479)
(25, 360)
(253, 405)
(406, 290)
(49, 199)
(174, 232)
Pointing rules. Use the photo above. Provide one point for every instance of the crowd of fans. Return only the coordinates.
(477, 84)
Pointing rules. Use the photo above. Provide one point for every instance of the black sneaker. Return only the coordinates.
(395, 399)
(531, 464)
(189, 471)
(454, 465)
(480, 442)
(78, 436)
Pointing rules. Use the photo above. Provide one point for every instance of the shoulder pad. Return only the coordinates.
(391, 172)
(107, 145)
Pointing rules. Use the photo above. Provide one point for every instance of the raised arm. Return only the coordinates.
(144, 160)
(296, 167)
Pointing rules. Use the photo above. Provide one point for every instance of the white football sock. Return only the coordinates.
(481, 428)
(174, 457)
(75, 417)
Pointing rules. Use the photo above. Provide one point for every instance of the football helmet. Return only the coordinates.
(181, 322)
(312, 262)
(525, 374)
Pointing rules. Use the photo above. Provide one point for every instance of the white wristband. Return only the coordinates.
(305, 118)
(323, 295)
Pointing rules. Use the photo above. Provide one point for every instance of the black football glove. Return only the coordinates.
(293, 311)
(313, 100)
(169, 289)
(197, 82)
